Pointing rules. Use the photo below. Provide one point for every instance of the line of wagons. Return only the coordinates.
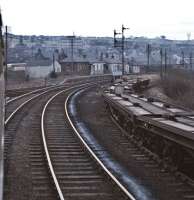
(165, 129)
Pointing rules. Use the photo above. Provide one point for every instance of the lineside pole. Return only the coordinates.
(190, 60)
(122, 48)
(2, 108)
(165, 61)
(161, 62)
(6, 51)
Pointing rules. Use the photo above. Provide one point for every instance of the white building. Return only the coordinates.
(42, 69)
(116, 68)
(97, 68)
(136, 69)
(16, 66)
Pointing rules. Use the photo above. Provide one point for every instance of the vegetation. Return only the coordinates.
(179, 85)
(53, 74)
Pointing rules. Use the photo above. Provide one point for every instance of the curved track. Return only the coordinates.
(27, 176)
(21, 127)
(15, 102)
(84, 177)
(21, 110)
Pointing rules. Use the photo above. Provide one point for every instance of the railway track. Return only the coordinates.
(27, 172)
(13, 103)
(82, 177)
(18, 108)
(161, 182)
(18, 92)
(17, 102)
(18, 137)
(13, 107)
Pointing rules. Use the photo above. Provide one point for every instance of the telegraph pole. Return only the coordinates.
(148, 49)
(190, 60)
(183, 58)
(161, 68)
(53, 62)
(122, 48)
(165, 61)
(71, 38)
(6, 52)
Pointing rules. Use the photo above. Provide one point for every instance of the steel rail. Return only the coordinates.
(27, 101)
(28, 93)
(127, 193)
(47, 87)
(59, 191)
(51, 88)
(34, 97)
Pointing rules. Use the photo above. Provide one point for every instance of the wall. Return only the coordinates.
(16, 66)
(38, 71)
(42, 71)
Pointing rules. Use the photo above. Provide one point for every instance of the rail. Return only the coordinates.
(59, 191)
(36, 96)
(128, 194)
(26, 94)
(24, 103)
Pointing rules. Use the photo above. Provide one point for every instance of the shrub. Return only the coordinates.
(179, 85)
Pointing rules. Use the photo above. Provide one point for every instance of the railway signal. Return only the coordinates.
(123, 49)
(121, 44)
(116, 42)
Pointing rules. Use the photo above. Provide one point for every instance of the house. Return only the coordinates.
(77, 67)
(115, 68)
(113, 65)
(98, 68)
(135, 69)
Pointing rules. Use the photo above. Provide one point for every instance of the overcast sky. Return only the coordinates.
(151, 18)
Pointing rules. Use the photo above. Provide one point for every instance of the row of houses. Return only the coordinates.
(42, 68)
